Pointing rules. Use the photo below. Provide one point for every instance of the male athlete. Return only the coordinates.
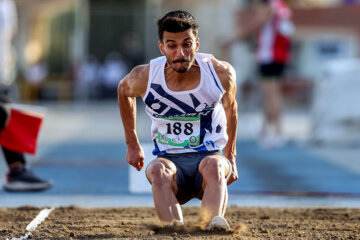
(190, 98)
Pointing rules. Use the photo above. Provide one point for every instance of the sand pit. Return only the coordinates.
(142, 223)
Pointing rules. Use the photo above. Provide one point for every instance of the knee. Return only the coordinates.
(212, 169)
(159, 175)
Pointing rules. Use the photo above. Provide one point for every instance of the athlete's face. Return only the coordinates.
(179, 49)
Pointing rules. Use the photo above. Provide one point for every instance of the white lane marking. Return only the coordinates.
(26, 236)
(39, 218)
(43, 214)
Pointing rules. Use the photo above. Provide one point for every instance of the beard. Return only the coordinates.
(183, 68)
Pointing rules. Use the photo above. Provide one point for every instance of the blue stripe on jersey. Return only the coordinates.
(150, 100)
(157, 151)
(214, 77)
(202, 148)
(186, 108)
(195, 101)
(210, 142)
(205, 124)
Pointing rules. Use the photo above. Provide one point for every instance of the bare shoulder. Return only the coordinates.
(135, 83)
(140, 72)
(225, 72)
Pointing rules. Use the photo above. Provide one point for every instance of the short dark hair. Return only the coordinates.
(176, 21)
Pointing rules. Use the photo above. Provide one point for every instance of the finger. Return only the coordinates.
(139, 166)
(231, 180)
(142, 164)
(134, 164)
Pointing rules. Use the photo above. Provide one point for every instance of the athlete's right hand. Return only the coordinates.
(135, 156)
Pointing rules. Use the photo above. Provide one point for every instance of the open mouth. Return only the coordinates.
(180, 61)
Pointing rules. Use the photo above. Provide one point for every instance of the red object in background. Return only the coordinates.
(21, 132)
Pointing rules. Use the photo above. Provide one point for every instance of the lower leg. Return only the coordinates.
(278, 112)
(225, 202)
(163, 187)
(272, 105)
(214, 200)
(13, 159)
(166, 204)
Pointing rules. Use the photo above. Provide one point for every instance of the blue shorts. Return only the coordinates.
(188, 176)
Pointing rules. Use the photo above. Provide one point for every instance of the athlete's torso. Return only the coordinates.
(186, 121)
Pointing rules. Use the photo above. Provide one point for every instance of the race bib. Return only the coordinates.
(179, 131)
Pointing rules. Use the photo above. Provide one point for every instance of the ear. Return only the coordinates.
(161, 47)
(197, 44)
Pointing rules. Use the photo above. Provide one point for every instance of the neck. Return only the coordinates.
(182, 81)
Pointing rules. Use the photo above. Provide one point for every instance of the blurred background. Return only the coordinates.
(69, 55)
(86, 42)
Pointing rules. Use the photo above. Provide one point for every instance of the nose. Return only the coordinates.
(180, 52)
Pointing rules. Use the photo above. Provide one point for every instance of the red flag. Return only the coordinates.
(21, 132)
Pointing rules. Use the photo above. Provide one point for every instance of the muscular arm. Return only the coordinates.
(227, 77)
(133, 85)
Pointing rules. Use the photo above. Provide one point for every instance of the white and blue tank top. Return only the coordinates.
(186, 121)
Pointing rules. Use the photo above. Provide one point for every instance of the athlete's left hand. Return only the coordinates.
(234, 174)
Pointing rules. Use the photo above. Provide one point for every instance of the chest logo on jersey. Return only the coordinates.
(174, 106)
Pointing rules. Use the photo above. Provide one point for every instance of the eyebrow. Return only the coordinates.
(171, 40)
